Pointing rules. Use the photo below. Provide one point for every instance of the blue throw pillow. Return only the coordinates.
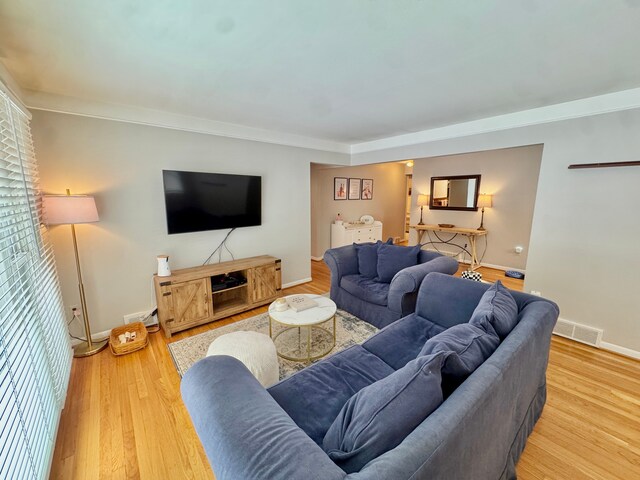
(367, 258)
(498, 308)
(393, 258)
(380, 416)
(466, 347)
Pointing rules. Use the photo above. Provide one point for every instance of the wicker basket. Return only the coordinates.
(141, 341)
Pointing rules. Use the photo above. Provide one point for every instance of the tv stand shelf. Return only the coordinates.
(186, 299)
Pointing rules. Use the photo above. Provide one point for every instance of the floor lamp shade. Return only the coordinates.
(70, 210)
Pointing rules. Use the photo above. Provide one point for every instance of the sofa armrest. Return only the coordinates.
(341, 261)
(245, 433)
(407, 282)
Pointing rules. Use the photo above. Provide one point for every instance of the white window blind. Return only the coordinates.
(35, 354)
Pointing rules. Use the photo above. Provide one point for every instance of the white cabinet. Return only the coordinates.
(346, 233)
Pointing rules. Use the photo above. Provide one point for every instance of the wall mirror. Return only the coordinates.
(458, 192)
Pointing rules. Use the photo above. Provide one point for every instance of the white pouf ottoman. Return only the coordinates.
(255, 350)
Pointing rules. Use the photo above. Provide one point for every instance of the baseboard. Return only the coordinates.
(627, 352)
(96, 337)
(483, 264)
(316, 259)
(297, 282)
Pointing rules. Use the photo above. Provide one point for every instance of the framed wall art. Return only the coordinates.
(339, 188)
(367, 189)
(354, 188)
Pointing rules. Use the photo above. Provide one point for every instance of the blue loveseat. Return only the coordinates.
(479, 431)
(357, 288)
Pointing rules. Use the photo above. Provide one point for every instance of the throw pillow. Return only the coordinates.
(393, 258)
(368, 257)
(466, 347)
(498, 308)
(379, 417)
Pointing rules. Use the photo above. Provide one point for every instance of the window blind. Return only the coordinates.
(35, 354)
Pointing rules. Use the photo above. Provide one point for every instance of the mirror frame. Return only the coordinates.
(455, 177)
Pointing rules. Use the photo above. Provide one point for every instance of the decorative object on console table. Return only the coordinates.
(484, 201)
(71, 210)
(367, 189)
(163, 266)
(422, 201)
(339, 188)
(354, 189)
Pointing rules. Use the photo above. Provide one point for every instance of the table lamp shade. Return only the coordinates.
(485, 201)
(423, 200)
(65, 209)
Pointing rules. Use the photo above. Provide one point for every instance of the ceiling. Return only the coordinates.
(343, 70)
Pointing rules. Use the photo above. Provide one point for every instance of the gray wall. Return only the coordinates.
(511, 176)
(121, 164)
(387, 204)
(583, 250)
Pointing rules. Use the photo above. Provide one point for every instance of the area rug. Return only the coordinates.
(350, 330)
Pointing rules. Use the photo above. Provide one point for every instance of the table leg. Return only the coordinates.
(299, 344)
(270, 331)
(309, 344)
(474, 255)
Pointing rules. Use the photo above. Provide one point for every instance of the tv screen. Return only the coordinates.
(211, 201)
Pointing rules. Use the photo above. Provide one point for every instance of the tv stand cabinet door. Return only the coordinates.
(190, 303)
(264, 285)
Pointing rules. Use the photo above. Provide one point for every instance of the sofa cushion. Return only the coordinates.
(393, 258)
(365, 288)
(411, 332)
(367, 258)
(314, 396)
(466, 347)
(380, 416)
(498, 307)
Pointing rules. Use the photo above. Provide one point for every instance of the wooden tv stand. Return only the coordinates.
(199, 295)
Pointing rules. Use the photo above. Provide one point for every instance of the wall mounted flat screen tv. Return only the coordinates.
(211, 201)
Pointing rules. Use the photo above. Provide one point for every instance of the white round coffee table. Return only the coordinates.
(309, 319)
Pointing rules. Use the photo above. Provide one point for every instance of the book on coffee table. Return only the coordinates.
(299, 303)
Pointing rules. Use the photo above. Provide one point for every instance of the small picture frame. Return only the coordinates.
(354, 188)
(339, 188)
(367, 189)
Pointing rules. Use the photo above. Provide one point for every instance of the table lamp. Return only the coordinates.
(70, 210)
(484, 200)
(422, 201)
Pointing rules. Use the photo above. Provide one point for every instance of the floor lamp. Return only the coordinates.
(70, 210)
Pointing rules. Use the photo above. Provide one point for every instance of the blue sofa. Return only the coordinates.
(479, 431)
(380, 303)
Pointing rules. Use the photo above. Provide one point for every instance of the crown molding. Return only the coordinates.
(611, 102)
(144, 116)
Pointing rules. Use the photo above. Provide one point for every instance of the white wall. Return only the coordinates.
(121, 164)
(387, 204)
(511, 176)
(584, 239)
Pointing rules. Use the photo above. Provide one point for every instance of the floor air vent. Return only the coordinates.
(580, 333)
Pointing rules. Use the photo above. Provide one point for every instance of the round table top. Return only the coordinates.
(312, 316)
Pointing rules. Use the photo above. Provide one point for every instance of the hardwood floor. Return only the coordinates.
(124, 418)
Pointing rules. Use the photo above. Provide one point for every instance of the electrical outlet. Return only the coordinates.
(536, 293)
(140, 317)
(519, 249)
(76, 311)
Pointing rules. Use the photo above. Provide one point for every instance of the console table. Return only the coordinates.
(198, 295)
(471, 233)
